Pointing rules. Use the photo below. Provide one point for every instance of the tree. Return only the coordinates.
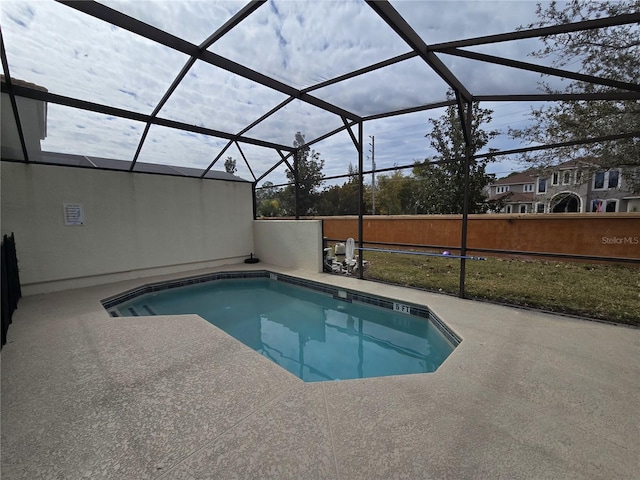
(230, 165)
(310, 179)
(439, 187)
(394, 194)
(268, 200)
(341, 199)
(331, 201)
(612, 53)
(269, 208)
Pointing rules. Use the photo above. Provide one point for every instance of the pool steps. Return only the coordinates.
(134, 312)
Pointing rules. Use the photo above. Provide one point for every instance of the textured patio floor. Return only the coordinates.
(525, 395)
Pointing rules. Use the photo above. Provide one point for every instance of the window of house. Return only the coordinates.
(555, 179)
(614, 179)
(598, 179)
(578, 176)
(612, 206)
(508, 209)
(566, 178)
(502, 189)
(539, 207)
(528, 187)
(523, 209)
(542, 185)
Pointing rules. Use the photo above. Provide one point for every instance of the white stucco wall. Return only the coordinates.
(134, 224)
(289, 243)
(33, 120)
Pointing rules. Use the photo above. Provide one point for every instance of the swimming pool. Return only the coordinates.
(317, 332)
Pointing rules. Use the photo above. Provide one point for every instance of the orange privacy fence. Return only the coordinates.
(615, 235)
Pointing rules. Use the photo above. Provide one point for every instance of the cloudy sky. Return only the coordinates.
(299, 43)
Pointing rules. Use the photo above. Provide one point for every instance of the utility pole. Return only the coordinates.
(373, 173)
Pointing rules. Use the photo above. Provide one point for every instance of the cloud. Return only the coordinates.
(308, 42)
(402, 85)
(299, 43)
(217, 99)
(75, 55)
(193, 20)
(447, 20)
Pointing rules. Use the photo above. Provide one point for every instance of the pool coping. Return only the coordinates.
(339, 293)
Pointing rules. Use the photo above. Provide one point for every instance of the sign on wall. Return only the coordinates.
(73, 214)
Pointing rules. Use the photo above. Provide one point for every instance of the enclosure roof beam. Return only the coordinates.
(355, 141)
(245, 161)
(420, 108)
(140, 117)
(232, 22)
(284, 158)
(206, 170)
(570, 143)
(363, 70)
(542, 69)
(564, 97)
(391, 16)
(12, 98)
(539, 32)
(276, 165)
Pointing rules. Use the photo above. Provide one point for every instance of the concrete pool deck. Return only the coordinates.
(525, 395)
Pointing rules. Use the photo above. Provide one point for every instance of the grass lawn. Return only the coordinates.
(604, 292)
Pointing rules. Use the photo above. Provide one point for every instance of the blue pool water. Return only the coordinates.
(310, 334)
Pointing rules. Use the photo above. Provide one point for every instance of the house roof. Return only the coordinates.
(530, 176)
(577, 163)
(65, 159)
(22, 83)
(517, 179)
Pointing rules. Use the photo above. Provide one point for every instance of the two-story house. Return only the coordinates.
(581, 186)
(515, 192)
(574, 186)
